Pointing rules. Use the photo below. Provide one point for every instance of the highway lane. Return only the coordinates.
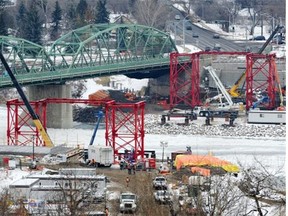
(205, 38)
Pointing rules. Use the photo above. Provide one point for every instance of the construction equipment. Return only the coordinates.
(99, 117)
(233, 91)
(219, 84)
(99, 155)
(35, 118)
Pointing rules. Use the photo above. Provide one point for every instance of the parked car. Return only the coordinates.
(189, 28)
(160, 182)
(259, 38)
(162, 196)
(216, 36)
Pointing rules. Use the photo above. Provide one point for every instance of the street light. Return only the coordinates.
(163, 144)
(183, 26)
(33, 154)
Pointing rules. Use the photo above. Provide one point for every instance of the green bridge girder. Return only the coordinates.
(91, 51)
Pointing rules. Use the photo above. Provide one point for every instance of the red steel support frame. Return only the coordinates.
(118, 117)
(19, 128)
(185, 77)
(261, 75)
(125, 127)
(184, 84)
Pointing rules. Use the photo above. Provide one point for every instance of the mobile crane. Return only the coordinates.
(35, 118)
(233, 91)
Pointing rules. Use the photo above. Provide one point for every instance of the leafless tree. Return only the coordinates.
(119, 6)
(264, 186)
(72, 196)
(152, 13)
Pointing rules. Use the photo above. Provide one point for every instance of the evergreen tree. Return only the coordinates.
(56, 18)
(71, 16)
(21, 20)
(82, 9)
(3, 26)
(34, 29)
(102, 15)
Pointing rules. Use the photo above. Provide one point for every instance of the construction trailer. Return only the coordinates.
(100, 155)
(257, 116)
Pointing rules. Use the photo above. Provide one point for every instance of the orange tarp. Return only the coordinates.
(204, 160)
(201, 171)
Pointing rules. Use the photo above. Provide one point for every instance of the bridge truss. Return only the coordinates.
(90, 51)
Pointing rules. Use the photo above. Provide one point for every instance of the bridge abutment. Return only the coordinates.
(58, 115)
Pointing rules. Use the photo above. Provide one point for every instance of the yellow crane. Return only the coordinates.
(34, 116)
(233, 91)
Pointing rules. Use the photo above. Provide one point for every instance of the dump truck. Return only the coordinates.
(128, 202)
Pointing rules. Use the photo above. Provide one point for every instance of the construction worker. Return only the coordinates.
(127, 181)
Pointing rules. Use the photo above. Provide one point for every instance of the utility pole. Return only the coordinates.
(163, 144)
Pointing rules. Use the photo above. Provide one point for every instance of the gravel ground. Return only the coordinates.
(218, 127)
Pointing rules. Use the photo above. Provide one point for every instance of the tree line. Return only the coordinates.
(38, 20)
(41, 20)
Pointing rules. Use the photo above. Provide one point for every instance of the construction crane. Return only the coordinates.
(233, 91)
(219, 84)
(34, 116)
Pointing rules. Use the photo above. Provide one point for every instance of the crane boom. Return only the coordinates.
(233, 90)
(219, 85)
(99, 117)
(35, 118)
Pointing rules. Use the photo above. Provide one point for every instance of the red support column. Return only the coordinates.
(260, 76)
(125, 128)
(195, 80)
(19, 128)
(182, 85)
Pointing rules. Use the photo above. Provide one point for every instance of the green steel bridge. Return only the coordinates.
(91, 51)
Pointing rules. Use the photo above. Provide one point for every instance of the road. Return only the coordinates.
(205, 37)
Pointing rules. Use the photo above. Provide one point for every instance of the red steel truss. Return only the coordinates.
(261, 75)
(185, 77)
(183, 80)
(124, 123)
(125, 127)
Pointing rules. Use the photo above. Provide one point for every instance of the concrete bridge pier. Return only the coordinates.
(58, 115)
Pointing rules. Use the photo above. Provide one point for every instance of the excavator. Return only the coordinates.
(35, 118)
(233, 91)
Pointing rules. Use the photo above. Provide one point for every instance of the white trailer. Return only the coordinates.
(258, 116)
(100, 155)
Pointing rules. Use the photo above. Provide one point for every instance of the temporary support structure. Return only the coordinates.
(20, 131)
(261, 75)
(125, 127)
(185, 77)
(124, 123)
(184, 80)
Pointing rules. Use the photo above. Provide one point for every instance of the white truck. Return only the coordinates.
(128, 202)
(100, 155)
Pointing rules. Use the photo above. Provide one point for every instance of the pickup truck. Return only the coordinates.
(160, 182)
(128, 202)
(162, 196)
